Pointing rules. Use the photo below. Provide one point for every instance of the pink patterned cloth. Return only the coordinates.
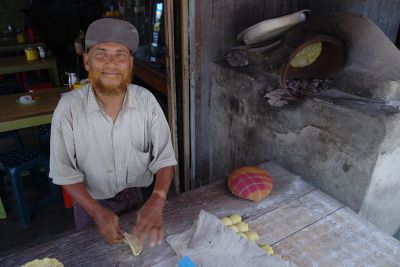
(128, 199)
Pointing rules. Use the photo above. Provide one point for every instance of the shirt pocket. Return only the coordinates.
(138, 164)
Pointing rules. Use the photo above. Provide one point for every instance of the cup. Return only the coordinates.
(42, 52)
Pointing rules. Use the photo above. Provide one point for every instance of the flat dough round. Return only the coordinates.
(53, 262)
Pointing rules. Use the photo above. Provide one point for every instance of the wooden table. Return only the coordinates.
(20, 64)
(17, 116)
(18, 47)
(302, 224)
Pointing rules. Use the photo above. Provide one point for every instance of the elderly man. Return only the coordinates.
(111, 137)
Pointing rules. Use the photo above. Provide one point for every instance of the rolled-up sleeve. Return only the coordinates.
(63, 165)
(162, 151)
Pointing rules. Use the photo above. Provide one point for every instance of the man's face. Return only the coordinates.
(110, 67)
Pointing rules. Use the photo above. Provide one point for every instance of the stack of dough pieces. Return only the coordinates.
(235, 223)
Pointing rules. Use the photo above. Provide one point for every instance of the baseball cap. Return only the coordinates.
(112, 30)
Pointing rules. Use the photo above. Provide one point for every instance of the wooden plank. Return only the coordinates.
(259, 6)
(385, 14)
(184, 9)
(351, 5)
(87, 248)
(294, 216)
(340, 239)
(171, 85)
(272, 9)
(25, 123)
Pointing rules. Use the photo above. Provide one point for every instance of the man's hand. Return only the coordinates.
(150, 221)
(108, 224)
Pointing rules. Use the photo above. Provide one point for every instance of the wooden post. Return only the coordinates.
(184, 19)
(171, 82)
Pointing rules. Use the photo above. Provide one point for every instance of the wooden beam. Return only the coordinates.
(171, 83)
(184, 20)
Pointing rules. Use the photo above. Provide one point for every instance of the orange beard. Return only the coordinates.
(110, 86)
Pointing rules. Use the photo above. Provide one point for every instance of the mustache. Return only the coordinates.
(112, 71)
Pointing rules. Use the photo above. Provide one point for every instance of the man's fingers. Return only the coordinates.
(160, 236)
(139, 226)
(153, 236)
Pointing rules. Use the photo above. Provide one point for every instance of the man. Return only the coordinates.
(111, 137)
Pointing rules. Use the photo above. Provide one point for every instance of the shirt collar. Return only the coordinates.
(130, 100)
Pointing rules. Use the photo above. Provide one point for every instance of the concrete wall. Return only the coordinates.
(348, 149)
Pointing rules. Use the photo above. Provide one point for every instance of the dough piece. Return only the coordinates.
(134, 244)
(245, 236)
(251, 235)
(235, 218)
(242, 226)
(226, 221)
(53, 262)
(267, 248)
(234, 228)
(307, 55)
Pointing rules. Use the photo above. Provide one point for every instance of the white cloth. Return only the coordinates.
(210, 243)
(87, 146)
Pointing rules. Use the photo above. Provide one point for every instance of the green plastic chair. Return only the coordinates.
(3, 214)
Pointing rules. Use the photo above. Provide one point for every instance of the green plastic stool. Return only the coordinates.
(3, 214)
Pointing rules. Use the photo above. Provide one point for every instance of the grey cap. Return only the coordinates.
(112, 30)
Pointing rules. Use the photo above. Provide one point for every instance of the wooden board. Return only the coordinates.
(340, 239)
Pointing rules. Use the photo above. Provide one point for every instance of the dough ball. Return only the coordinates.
(235, 218)
(226, 221)
(242, 226)
(267, 248)
(251, 235)
(234, 228)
